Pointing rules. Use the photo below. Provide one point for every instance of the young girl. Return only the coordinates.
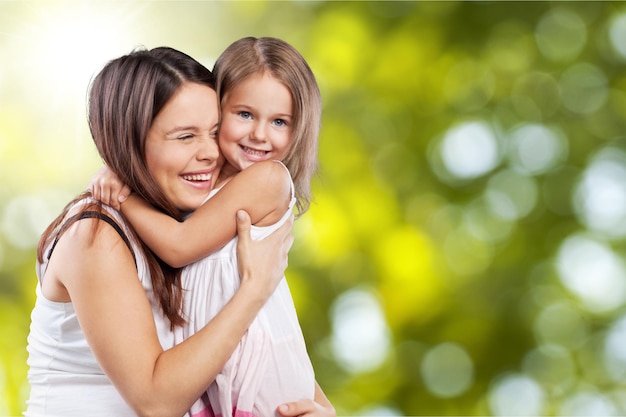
(270, 112)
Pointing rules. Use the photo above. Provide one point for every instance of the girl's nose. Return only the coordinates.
(258, 132)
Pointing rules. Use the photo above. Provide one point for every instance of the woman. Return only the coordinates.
(97, 341)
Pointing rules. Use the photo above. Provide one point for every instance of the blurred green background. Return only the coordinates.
(465, 252)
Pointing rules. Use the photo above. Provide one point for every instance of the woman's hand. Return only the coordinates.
(107, 188)
(307, 408)
(262, 263)
(319, 407)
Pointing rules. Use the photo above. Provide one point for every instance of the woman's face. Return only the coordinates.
(181, 148)
(257, 117)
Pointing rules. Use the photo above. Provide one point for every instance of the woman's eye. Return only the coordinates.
(185, 137)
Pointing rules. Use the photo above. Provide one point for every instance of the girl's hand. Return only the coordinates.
(107, 188)
(262, 263)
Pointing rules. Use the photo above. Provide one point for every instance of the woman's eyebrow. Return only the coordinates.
(177, 129)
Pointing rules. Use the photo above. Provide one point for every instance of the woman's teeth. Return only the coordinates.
(197, 177)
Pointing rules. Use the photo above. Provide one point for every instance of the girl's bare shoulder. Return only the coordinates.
(270, 176)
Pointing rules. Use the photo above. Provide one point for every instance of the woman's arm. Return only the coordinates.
(263, 190)
(117, 319)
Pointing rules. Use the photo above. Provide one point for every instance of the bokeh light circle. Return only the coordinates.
(560, 324)
(535, 148)
(552, 366)
(584, 88)
(593, 272)
(614, 352)
(516, 395)
(561, 34)
(588, 403)
(617, 34)
(360, 338)
(470, 150)
(447, 370)
(511, 195)
(600, 198)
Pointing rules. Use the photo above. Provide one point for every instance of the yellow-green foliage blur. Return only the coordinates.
(465, 251)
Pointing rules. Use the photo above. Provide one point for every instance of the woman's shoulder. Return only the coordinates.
(88, 221)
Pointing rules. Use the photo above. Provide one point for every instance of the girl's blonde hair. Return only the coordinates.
(282, 61)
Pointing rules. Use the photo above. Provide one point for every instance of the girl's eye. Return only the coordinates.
(245, 114)
(280, 122)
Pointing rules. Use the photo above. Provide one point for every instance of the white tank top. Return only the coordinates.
(64, 376)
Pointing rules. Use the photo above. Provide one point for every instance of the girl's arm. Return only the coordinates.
(116, 317)
(263, 190)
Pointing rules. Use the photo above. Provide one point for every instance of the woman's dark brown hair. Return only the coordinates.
(124, 99)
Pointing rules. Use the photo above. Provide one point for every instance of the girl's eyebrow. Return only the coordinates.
(247, 107)
(241, 105)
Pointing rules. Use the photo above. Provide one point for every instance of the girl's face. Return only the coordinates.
(181, 148)
(257, 117)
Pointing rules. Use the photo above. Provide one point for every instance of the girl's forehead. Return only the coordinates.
(262, 80)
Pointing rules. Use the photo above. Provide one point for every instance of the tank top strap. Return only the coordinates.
(293, 187)
(92, 215)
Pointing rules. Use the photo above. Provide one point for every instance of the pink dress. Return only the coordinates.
(270, 366)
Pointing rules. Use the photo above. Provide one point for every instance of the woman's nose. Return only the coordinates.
(209, 150)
